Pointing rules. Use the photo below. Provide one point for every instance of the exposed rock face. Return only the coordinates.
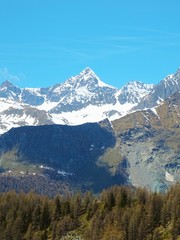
(149, 159)
(149, 142)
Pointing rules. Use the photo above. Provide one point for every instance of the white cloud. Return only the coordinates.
(6, 75)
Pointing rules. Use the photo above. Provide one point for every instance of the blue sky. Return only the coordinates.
(44, 42)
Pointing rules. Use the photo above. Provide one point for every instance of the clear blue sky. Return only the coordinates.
(44, 42)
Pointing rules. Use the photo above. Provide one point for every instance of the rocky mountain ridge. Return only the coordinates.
(72, 102)
(75, 101)
(166, 88)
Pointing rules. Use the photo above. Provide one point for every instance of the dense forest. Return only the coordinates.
(117, 213)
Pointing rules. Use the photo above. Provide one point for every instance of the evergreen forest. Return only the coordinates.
(117, 213)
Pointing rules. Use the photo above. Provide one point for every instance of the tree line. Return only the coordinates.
(117, 213)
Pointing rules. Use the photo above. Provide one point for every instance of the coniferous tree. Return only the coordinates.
(56, 209)
(45, 217)
(29, 233)
(117, 213)
(36, 217)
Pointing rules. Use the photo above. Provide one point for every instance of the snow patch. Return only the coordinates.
(169, 177)
(63, 173)
(92, 113)
(155, 111)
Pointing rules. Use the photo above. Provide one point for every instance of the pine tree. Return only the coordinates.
(45, 217)
(29, 233)
(36, 217)
(56, 209)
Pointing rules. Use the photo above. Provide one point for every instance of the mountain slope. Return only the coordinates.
(140, 149)
(15, 114)
(59, 150)
(148, 145)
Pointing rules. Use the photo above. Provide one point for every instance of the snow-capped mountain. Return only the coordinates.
(166, 88)
(15, 114)
(81, 91)
(80, 99)
(133, 92)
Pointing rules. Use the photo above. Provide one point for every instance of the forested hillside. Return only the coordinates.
(118, 213)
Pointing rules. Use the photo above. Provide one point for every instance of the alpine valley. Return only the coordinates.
(84, 134)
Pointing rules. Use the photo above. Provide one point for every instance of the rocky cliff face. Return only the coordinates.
(148, 144)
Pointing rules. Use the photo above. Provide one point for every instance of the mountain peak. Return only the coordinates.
(135, 85)
(178, 70)
(6, 84)
(9, 91)
(88, 72)
(87, 77)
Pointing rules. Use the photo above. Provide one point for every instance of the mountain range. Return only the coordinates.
(86, 134)
(73, 102)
